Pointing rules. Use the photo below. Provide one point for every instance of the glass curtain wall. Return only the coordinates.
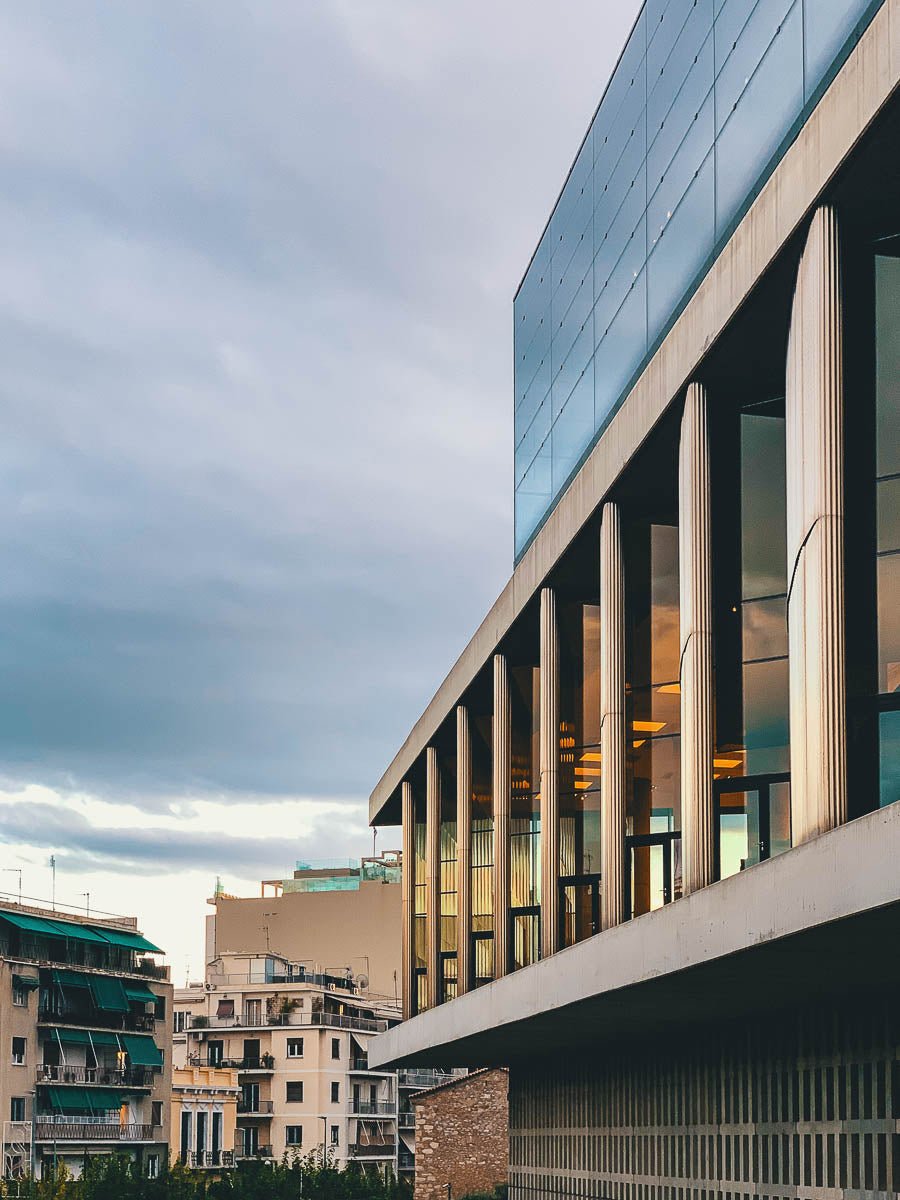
(887, 485)
(420, 933)
(448, 897)
(579, 776)
(752, 761)
(482, 867)
(653, 716)
(525, 818)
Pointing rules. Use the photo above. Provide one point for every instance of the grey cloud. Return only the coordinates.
(255, 346)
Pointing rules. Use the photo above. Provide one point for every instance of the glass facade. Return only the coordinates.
(653, 714)
(580, 771)
(447, 949)
(482, 867)
(420, 920)
(752, 762)
(704, 98)
(887, 476)
(525, 817)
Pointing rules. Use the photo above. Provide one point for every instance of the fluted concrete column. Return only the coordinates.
(612, 717)
(549, 773)
(433, 872)
(502, 793)
(463, 849)
(408, 900)
(815, 538)
(696, 619)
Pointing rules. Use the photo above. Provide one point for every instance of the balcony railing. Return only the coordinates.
(255, 1108)
(95, 1019)
(406, 1161)
(359, 1064)
(146, 966)
(259, 1062)
(423, 1079)
(69, 1129)
(130, 1077)
(385, 1149)
(373, 1108)
(293, 1019)
(341, 1021)
(406, 1120)
(259, 1152)
(208, 1158)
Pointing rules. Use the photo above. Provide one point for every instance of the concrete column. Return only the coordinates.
(612, 717)
(463, 849)
(433, 872)
(549, 773)
(814, 410)
(696, 675)
(408, 900)
(502, 795)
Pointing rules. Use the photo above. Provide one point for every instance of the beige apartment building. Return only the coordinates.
(298, 981)
(85, 1061)
(205, 1103)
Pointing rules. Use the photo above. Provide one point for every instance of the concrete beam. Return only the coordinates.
(809, 922)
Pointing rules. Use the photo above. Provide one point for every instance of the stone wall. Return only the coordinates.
(462, 1136)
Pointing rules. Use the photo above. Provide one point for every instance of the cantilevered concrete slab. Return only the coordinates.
(820, 920)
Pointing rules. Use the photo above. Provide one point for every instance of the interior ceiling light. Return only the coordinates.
(648, 726)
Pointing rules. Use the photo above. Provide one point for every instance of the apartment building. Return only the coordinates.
(296, 1023)
(204, 1116)
(650, 818)
(85, 1065)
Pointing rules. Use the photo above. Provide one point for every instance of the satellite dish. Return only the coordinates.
(362, 981)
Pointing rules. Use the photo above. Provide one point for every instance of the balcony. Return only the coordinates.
(423, 1079)
(146, 966)
(199, 1159)
(70, 1129)
(95, 1019)
(130, 1077)
(383, 1149)
(341, 1021)
(373, 1108)
(406, 1161)
(259, 1062)
(255, 1108)
(292, 1019)
(259, 1152)
(406, 1120)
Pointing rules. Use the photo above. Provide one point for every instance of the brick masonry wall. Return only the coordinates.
(462, 1136)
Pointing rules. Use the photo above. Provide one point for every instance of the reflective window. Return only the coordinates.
(704, 100)
(420, 934)
(653, 713)
(580, 771)
(525, 817)
(448, 855)
(482, 868)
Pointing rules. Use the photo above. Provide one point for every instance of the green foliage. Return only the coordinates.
(299, 1177)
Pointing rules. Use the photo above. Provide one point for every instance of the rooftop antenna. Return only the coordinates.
(87, 902)
(53, 881)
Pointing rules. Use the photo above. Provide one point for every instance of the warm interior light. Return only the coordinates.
(726, 762)
(591, 756)
(582, 784)
(670, 689)
(648, 726)
(640, 742)
(592, 771)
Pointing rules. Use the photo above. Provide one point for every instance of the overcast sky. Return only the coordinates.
(258, 262)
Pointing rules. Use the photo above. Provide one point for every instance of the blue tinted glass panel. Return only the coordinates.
(705, 96)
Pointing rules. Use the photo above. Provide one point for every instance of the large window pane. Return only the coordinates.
(889, 623)
(889, 757)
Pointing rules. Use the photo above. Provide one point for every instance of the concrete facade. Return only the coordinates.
(463, 1136)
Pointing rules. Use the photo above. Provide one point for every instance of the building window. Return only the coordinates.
(153, 1166)
(335, 1135)
(156, 1113)
(18, 1051)
(225, 1010)
(335, 1047)
(335, 1093)
(295, 1047)
(525, 817)
(294, 1092)
(179, 1023)
(20, 997)
(17, 1108)
(293, 1135)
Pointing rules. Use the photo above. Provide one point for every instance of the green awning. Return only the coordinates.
(76, 932)
(130, 941)
(74, 1037)
(26, 983)
(140, 993)
(71, 978)
(108, 993)
(101, 1038)
(83, 1100)
(29, 924)
(142, 1050)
